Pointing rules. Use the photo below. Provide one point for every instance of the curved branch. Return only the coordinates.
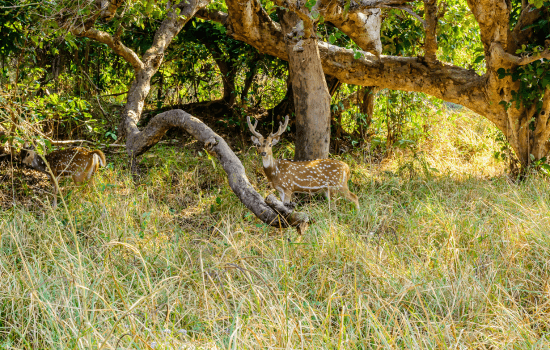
(152, 60)
(116, 45)
(520, 61)
(273, 213)
(171, 26)
(445, 81)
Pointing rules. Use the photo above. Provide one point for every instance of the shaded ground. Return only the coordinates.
(20, 185)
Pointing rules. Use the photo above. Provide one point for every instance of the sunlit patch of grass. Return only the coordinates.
(445, 252)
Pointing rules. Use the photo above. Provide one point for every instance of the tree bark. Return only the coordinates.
(311, 96)
(227, 71)
(366, 107)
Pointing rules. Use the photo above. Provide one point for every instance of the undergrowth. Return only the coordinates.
(445, 252)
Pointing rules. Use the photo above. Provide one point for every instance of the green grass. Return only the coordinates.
(453, 258)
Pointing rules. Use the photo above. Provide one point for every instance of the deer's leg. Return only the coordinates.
(281, 194)
(54, 205)
(79, 178)
(350, 196)
(287, 196)
(93, 169)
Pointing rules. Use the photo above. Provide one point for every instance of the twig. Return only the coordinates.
(117, 94)
(408, 10)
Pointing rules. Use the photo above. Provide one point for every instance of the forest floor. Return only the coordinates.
(445, 252)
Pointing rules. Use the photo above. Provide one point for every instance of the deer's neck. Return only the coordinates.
(38, 164)
(270, 167)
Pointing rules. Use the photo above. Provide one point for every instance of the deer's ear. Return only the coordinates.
(255, 141)
(274, 141)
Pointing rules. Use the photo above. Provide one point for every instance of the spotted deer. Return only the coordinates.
(288, 176)
(78, 162)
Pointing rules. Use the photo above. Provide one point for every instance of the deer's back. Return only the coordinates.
(69, 161)
(313, 175)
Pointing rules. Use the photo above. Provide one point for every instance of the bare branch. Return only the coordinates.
(368, 4)
(170, 27)
(362, 27)
(212, 15)
(410, 11)
(249, 23)
(108, 8)
(517, 60)
(302, 12)
(152, 59)
(116, 45)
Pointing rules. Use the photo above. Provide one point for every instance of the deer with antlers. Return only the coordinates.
(288, 176)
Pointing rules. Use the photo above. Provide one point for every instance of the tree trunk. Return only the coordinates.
(227, 71)
(366, 107)
(311, 96)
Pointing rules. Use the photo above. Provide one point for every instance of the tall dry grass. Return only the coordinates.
(453, 258)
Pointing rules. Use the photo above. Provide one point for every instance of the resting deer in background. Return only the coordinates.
(288, 176)
(78, 162)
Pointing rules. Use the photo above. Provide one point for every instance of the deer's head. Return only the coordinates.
(27, 154)
(264, 144)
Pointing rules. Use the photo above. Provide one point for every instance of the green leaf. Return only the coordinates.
(545, 168)
(479, 59)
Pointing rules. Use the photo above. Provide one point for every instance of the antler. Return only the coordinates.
(282, 128)
(253, 128)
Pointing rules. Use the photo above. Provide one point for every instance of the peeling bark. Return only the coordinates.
(362, 27)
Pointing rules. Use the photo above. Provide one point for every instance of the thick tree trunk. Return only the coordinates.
(311, 96)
